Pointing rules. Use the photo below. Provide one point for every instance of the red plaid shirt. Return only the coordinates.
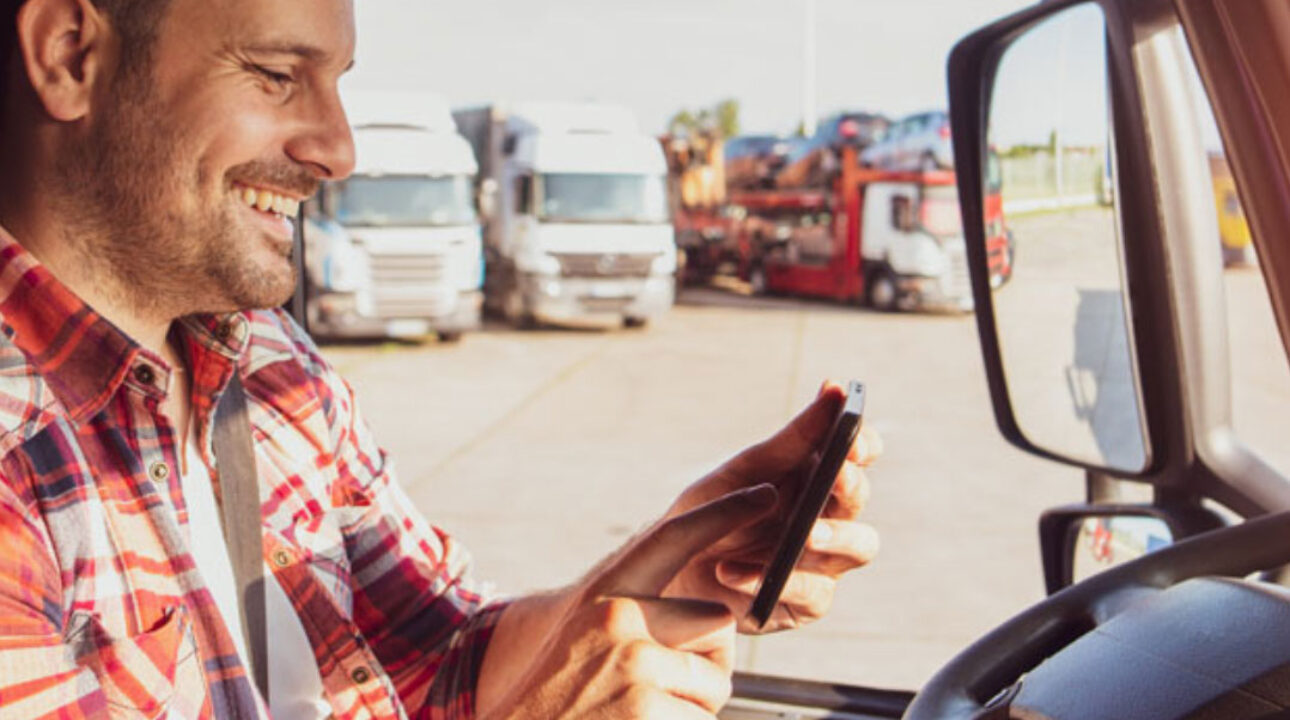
(101, 608)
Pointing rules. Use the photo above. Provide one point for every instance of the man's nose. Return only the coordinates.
(324, 140)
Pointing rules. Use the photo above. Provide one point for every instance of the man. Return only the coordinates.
(152, 153)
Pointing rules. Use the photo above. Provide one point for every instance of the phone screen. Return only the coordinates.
(809, 504)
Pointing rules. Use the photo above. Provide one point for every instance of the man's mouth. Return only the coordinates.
(269, 202)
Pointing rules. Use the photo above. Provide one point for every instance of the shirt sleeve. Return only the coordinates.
(426, 619)
(39, 676)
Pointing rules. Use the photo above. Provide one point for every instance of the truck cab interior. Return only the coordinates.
(1117, 363)
(1199, 625)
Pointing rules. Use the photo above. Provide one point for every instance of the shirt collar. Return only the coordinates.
(82, 356)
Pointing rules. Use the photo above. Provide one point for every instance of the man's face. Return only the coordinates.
(193, 167)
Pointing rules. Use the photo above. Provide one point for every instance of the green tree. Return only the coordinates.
(727, 112)
(682, 123)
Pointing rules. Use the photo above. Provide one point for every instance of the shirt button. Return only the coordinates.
(144, 374)
(281, 558)
(224, 331)
(159, 471)
(360, 675)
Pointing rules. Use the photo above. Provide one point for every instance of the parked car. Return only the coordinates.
(814, 161)
(916, 142)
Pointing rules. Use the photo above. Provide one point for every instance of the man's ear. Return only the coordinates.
(63, 45)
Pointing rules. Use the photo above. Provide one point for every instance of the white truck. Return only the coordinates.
(396, 249)
(577, 226)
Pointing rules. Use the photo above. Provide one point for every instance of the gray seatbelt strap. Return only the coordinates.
(240, 512)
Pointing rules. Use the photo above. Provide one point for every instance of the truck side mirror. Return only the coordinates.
(486, 198)
(902, 214)
(1079, 541)
(524, 195)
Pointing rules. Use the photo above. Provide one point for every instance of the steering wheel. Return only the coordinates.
(962, 688)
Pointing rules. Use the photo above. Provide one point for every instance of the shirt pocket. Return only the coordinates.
(154, 674)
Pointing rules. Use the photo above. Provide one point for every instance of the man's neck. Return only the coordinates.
(76, 265)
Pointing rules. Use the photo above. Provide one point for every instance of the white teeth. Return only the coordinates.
(268, 201)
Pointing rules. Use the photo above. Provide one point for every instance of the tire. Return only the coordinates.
(449, 336)
(635, 323)
(881, 291)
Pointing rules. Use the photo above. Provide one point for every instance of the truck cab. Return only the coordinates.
(579, 230)
(395, 249)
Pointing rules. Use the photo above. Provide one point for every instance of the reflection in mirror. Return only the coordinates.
(1104, 542)
(1062, 321)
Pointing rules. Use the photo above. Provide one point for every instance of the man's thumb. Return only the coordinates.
(647, 566)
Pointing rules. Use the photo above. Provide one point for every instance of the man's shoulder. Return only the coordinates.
(284, 367)
(27, 404)
(276, 338)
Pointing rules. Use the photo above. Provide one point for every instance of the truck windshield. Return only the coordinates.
(940, 211)
(597, 198)
(403, 201)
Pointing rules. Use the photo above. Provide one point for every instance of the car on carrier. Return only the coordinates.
(916, 142)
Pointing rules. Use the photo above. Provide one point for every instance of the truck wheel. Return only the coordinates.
(449, 336)
(635, 323)
(882, 292)
(757, 280)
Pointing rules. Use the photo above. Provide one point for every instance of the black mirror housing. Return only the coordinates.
(1059, 531)
(972, 71)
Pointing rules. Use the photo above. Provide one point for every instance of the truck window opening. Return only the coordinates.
(382, 201)
(578, 197)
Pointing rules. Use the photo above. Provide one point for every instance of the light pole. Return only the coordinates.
(809, 111)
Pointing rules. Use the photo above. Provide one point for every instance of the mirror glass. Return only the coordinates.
(1104, 542)
(1053, 240)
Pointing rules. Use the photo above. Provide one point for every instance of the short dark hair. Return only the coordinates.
(136, 21)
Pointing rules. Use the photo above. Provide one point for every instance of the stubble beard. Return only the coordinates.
(145, 218)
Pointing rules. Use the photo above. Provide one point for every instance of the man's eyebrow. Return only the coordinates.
(286, 47)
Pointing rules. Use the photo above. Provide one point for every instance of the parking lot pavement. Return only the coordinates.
(544, 450)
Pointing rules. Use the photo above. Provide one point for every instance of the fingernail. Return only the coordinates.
(821, 534)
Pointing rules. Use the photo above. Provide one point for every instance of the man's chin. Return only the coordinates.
(260, 287)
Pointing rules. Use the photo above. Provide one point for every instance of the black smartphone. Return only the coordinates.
(846, 426)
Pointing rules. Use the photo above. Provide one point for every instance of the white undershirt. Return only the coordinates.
(295, 687)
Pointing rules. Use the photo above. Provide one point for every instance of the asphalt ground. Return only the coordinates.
(542, 451)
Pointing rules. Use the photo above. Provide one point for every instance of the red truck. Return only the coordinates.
(890, 239)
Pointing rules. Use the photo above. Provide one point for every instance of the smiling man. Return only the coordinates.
(152, 156)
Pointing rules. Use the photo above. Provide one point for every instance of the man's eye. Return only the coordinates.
(273, 76)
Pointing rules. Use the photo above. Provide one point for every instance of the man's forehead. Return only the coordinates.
(317, 29)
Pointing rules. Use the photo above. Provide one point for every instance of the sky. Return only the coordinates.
(658, 56)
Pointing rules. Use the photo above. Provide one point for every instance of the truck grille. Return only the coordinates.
(605, 265)
(408, 286)
(414, 270)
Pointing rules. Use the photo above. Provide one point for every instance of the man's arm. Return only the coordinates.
(39, 676)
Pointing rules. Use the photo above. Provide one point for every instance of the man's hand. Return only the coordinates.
(620, 650)
(729, 571)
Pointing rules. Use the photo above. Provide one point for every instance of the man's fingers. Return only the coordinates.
(868, 447)
(684, 675)
(695, 626)
(646, 568)
(850, 493)
(796, 441)
(837, 546)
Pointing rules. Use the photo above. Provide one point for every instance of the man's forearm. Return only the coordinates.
(516, 642)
